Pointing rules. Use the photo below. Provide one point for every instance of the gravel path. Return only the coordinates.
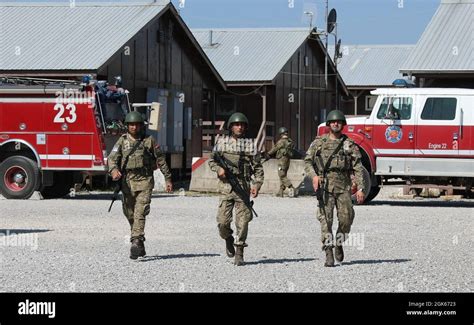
(73, 245)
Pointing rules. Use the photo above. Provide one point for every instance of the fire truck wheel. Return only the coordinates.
(373, 193)
(20, 177)
(63, 181)
(368, 186)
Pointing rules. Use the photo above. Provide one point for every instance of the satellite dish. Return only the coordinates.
(332, 17)
(338, 49)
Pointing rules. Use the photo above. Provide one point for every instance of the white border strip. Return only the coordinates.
(68, 157)
(87, 100)
(421, 152)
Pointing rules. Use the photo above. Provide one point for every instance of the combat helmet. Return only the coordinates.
(134, 117)
(237, 118)
(336, 115)
(282, 130)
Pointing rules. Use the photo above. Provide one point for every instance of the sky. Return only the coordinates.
(358, 21)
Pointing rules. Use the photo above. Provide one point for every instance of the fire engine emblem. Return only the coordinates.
(393, 134)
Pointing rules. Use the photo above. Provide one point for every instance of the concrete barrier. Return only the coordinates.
(205, 180)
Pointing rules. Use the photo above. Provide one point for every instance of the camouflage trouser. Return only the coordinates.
(283, 166)
(136, 206)
(345, 217)
(243, 216)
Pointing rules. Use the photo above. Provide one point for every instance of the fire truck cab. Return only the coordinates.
(421, 135)
(52, 133)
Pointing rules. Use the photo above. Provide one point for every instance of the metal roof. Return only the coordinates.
(371, 65)
(447, 44)
(423, 91)
(250, 54)
(51, 36)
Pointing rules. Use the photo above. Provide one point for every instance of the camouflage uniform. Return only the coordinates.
(244, 164)
(283, 151)
(337, 185)
(138, 184)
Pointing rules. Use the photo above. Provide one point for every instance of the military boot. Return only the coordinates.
(239, 256)
(229, 246)
(280, 192)
(329, 257)
(135, 250)
(339, 252)
(141, 245)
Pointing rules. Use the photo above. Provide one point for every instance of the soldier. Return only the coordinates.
(329, 162)
(240, 155)
(133, 159)
(283, 151)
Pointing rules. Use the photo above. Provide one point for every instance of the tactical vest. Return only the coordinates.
(341, 162)
(141, 158)
(286, 150)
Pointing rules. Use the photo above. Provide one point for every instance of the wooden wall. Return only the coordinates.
(162, 56)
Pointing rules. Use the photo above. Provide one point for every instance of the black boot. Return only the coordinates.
(229, 246)
(339, 253)
(239, 256)
(141, 245)
(329, 257)
(280, 192)
(135, 250)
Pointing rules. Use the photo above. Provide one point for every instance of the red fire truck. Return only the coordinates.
(424, 136)
(53, 132)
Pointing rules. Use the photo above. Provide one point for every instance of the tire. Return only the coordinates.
(367, 188)
(20, 177)
(374, 191)
(62, 183)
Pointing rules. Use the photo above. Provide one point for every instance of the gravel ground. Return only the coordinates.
(74, 245)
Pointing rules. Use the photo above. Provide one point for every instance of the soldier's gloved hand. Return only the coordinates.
(169, 187)
(221, 173)
(254, 192)
(316, 182)
(116, 174)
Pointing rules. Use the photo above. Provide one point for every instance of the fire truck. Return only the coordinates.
(421, 136)
(53, 133)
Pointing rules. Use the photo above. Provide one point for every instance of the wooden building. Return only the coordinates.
(149, 45)
(276, 77)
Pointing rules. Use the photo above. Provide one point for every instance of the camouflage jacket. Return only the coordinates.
(282, 149)
(344, 163)
(141, 164)
(241, 157)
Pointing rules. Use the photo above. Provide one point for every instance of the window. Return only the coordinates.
(398, 108)
(439, 109)
(227, 106)
(370, 102)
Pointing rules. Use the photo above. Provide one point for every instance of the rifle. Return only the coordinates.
(118, 183)
(234, 182)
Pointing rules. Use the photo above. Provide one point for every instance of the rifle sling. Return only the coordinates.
(134, 148)
(331, 157)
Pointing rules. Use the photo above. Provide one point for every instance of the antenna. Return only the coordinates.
(311, 15)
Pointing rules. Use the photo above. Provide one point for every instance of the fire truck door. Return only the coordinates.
(394, 131)
(439, 130)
